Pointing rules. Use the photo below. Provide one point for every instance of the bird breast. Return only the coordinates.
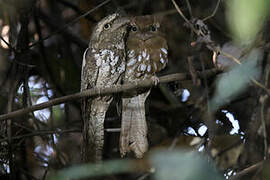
(146, 61)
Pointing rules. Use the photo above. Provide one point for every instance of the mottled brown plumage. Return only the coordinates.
(103, 64)
(146, 55)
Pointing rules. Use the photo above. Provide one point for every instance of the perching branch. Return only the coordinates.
(104, 91)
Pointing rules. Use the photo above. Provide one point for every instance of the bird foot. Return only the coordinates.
(155, 79)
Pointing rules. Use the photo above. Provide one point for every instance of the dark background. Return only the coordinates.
(33, 70)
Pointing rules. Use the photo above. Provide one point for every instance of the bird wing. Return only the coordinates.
(89, 77)
(89, 70)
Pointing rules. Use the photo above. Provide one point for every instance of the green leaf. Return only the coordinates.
(94, 170)
(246, 18)
(236, 80)
(179, 164)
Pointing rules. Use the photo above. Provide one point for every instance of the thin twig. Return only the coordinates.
(68, 33)
(183, 16)
(228, 55)
(45, 174)
(263, 100)
(71, 23)
(169, 95)
(257, 83)
(199, 34)
(144, 176)
(103, 91)
(189, 8)
(112, 130)
(9, 125)
(39, 133)
(28, 174)
(261, 86)
(76, 9)
(247, 170)
(165, 13)
(255, 175)
(216, 49)
(9, 45)
(214, 12)
(24, 127)
(226, 149)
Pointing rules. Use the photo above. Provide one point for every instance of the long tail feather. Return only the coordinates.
(133, 135)
(94, 130)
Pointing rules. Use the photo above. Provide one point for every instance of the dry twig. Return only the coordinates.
(247, 170)
(211, 45)
(71, 23)
(214, 12)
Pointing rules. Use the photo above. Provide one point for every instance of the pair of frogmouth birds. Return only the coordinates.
(121, 50)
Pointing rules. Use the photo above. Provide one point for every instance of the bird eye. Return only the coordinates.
(134, 28)
(153, 28)
(107, 26)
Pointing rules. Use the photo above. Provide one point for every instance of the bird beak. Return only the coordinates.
(145, 36)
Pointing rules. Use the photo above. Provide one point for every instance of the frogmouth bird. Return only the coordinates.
(104, 62)
(147, 54)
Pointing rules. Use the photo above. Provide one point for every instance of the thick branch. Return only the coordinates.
(104, 91)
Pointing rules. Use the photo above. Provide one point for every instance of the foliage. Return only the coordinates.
(41, 48)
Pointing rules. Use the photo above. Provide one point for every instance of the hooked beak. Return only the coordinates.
(145, 36)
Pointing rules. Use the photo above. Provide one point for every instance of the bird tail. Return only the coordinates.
(93, 132)
(133, 135)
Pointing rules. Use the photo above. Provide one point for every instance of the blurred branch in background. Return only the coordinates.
(43, 133)
(64, 27)
(79, 11)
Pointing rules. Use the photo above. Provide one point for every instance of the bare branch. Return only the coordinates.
(214, 12)
(104, 91)
(184, 17)
(76, 9)
(247, 170)
(71, 23)
(189, 8)
(9, 45)
(112, 130)
(67, 32)
(211, 46)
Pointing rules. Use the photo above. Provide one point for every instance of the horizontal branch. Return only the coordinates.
(104, 91)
